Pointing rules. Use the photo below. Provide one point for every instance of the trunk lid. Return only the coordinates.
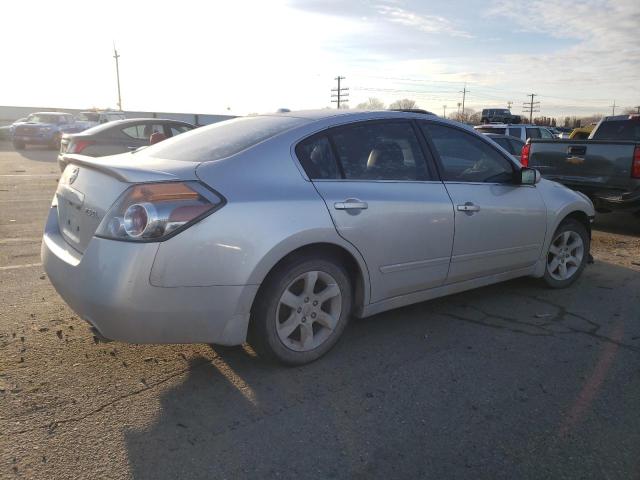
(90, 186)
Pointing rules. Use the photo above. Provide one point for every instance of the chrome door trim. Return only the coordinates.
(401, 267)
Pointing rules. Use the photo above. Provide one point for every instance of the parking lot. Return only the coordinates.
(509, 381)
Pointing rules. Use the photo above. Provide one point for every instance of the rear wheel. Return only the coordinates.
(19, 145)
(568, 254)
(301, 311)
(55, 142)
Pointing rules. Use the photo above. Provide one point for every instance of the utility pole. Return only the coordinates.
(613, 108)
(116, 56)
(531, 106)
(638, 108)
(464, 92)
(444, 111)
(509, 103)
(340, 94)
(458, 117)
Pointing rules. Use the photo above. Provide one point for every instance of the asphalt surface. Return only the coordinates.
(511, 381)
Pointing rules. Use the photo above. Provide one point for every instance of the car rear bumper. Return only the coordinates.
(108, 286)
(617, 200)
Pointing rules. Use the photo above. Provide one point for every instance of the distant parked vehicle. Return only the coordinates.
(120, 136)
(605, 167)
(94, 118)
(499, 115)
(6, 131)
(44, 128)
(511, 144)
(581, 133)
(523, 132)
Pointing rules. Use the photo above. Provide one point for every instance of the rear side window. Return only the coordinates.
(222, 139)
(317, 159)
(467, 158)
(515, 132)
(533, 133)
(379, 151)
(618, 130)
(178, 129)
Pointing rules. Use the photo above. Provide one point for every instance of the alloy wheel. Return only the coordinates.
(308, 311)
(565, 255)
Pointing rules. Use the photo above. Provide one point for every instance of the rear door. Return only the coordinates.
(382, 198)
(499, 225)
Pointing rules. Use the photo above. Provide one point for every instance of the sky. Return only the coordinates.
(240, 57)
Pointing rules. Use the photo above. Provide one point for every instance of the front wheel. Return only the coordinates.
(302, 310)
(568, 254)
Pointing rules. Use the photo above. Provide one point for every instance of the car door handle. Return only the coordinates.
(351, 204)
(468, 207)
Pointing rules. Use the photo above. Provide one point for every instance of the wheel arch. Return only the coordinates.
(348, 257)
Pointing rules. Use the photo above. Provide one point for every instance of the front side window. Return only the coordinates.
(317, 159)
(544, 133)
(178, 129)
(466, 158)
(379, 151)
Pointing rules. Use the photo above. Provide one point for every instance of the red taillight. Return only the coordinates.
(79, 145)
(524, 155)
(635, 165)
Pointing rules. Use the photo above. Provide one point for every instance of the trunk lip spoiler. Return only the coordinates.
(123, 173)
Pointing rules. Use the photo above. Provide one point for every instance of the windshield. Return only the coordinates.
(43, 118)
(88, 116)
(222, 139)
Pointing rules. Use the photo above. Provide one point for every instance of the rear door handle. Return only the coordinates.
(351, 204)
(468, 207)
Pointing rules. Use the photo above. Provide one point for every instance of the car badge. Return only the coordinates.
(74, 175)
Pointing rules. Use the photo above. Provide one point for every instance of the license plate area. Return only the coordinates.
(70, 203)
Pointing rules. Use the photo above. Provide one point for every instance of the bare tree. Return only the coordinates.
(405, 103)
(371, 104)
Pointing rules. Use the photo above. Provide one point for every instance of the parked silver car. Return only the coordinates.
(276, 229)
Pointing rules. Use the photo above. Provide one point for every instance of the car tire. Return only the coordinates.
(568, 254)
(301, 310)
(19, 145)
(55, 142)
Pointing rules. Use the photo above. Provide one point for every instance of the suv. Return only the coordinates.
(523, 132)
(44, 128)
(499, 115)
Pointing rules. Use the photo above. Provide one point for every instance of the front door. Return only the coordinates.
(500, 225)
(374, 180)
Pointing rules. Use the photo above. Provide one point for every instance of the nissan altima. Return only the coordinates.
(276, 229)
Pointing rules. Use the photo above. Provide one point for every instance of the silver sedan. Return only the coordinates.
(276, 229)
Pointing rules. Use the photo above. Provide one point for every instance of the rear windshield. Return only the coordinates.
(88, 116)
(222, 139)
(618, 130)
(501, 131)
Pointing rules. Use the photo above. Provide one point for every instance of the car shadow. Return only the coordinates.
(425, 390)
(38, 153)
(622, 223)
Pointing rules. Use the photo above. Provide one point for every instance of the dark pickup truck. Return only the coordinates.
(605, 167)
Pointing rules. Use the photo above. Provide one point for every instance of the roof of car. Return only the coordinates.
(328, 113)
(50, 113)
(130, 121)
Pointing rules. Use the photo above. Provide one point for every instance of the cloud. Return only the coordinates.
(432, 24)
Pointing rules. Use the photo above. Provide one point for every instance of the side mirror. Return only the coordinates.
(529, 176)
(156, 137)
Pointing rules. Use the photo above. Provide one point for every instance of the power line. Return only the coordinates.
(339, 93)
(531, 106)
(116, 56)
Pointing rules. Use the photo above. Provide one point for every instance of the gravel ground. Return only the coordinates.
(508, 381)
